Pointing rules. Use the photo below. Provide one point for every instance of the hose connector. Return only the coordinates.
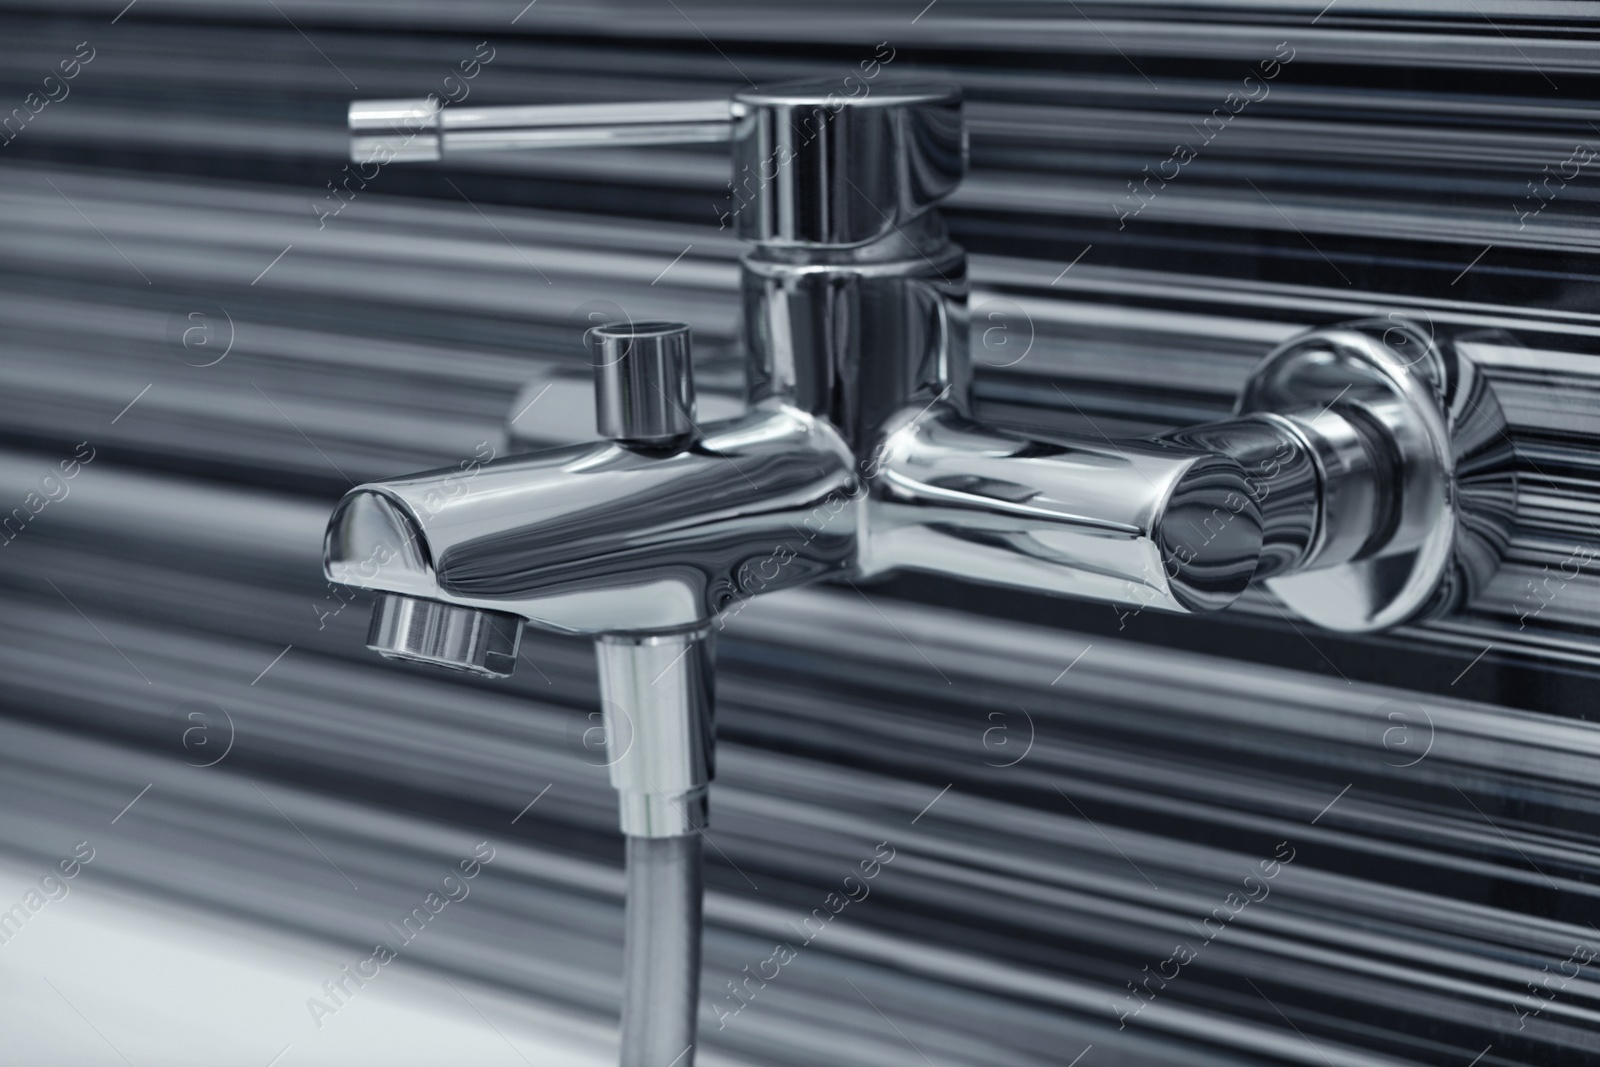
(656, 694)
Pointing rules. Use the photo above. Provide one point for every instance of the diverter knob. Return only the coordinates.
(643, 382)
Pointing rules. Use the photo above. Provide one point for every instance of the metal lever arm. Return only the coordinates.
(811, 169)
(424, 129)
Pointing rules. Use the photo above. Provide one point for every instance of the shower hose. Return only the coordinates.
(661, 951)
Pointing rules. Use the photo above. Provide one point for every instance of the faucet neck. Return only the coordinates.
(855, 334)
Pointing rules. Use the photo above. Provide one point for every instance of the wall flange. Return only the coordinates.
(1442, 461)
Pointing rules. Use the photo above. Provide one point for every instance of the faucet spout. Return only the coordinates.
(610, 537)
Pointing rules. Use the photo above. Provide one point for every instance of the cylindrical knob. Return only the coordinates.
(643, 381)
(814, 167)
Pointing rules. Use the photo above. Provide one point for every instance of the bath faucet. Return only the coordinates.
(1364, 478)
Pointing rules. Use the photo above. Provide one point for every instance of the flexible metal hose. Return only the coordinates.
(661, 952)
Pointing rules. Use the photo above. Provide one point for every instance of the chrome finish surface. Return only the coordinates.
(423, 129)
(1419, 489)
(1410, 926)
(815, 168)
(394, 131)
(1145, 523)
(657, 696)
(862, 457)
(643, 381)
(855, 297)
(1328, 472)
(1338, 469)
(687, 115)
(812, 167)
(445, 635)
(854, 335)
(1357, 476)
(603, 538)
(1280, 478)
(392, 115)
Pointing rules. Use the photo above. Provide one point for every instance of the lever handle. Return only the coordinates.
(423, 129)
(811, 168)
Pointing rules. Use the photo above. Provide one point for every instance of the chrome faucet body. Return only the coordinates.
(1365, 477)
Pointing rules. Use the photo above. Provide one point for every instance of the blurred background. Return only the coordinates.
(209, 330)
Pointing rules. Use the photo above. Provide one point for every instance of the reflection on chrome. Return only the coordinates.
(606, 538)
(1342, 462)
(860, 456)
(1381, 493)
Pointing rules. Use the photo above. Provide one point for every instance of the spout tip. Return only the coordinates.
(445, 635)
